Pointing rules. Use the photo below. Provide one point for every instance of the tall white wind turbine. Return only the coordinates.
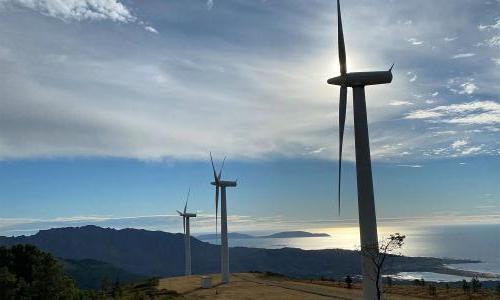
(222, 184)
(187, 235)
(366, 203)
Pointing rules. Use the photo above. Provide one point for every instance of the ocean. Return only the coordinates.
(474, 242)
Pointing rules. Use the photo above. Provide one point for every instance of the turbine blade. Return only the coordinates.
(342, 112)
(222, 166)
(342, 55)
(187, 199)
(213, 168)
(180, 214)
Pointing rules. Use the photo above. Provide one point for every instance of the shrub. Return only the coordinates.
(348, 281)
(432, 290)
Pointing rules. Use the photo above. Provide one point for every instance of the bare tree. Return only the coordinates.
(379, 252)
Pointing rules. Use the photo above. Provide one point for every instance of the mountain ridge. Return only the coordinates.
(156, 253)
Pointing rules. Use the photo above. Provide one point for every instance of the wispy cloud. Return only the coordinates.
(463, 55)
(493, 41)
(239, 223)
(410, 166)
(414, 41)
(210, 4)
(412, 77)
(400, 103)
(79, 9)
(120, 92)
(450, 39)
(495, 25)
(459, 144)
(468, 88)
(469, 113)
(151, 29)
(471, 150)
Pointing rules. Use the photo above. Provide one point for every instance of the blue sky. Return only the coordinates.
(109, 110)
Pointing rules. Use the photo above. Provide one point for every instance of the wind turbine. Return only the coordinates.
(366, 203)
(187, 235)
(222, 184)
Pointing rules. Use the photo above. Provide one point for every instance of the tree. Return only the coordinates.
(348, 281)
(389, 280)
(379, 252)
(465, 286)
(475, 284)
(28, 273)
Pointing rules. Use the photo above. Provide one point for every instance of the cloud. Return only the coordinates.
(400, 103)
(493, 41)
(412, 76)
(463, 55)
(423, 114)
(495, 25)
(79, 9)
(459, 144)
(150, 29)
(115, 91)
(317, 151)
(170, 223)
(468, 88)
(410, 166)
(469, 113)
(414, 41)
(449, 39)
(496, 60)
(210, 4)
(471, 150)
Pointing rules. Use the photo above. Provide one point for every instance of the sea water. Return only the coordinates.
(474, 242)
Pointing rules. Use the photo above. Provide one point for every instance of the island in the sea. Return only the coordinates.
(278, 235)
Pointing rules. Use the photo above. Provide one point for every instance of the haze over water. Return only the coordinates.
(475, 242)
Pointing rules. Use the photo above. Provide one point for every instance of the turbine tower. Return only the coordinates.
(222, 184)
(366, 203)
(187, 235)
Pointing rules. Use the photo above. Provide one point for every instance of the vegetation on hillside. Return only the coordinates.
(28, 273)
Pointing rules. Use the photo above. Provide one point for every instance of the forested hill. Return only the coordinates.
(156, 253)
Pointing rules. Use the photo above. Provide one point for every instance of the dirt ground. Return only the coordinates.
(260, 286)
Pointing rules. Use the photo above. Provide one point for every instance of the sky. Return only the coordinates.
(109, 109)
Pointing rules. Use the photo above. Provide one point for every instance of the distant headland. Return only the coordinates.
(278, 235)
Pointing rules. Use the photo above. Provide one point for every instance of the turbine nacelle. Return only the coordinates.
(355, 79)
(224, 183)
(186, 215)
